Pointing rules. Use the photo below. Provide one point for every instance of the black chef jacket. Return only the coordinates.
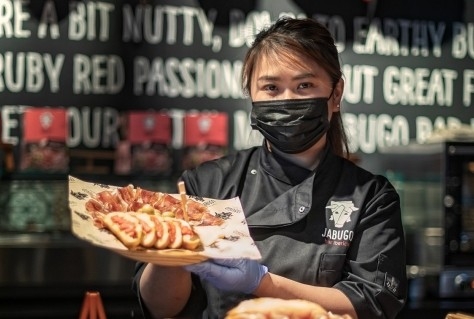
(338, 226)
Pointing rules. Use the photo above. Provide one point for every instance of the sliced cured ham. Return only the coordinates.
(136, 199)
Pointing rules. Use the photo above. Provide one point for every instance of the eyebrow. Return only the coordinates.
(298, 77)
(305, 76)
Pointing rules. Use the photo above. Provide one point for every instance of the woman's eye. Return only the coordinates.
(304, 85)
(270, 87)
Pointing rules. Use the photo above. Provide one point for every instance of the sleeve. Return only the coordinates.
(375, 274)
(221, 178)
(194, 307)
(198, 180)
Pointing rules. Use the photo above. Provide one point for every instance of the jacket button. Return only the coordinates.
(301, 209)
(253, 172)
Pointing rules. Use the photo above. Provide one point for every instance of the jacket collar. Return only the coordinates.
(282, 169)
(294, 204)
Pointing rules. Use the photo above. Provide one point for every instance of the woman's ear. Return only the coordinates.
(337, 95)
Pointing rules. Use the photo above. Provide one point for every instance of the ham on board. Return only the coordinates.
(148, 219)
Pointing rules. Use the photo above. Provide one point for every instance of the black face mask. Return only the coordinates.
(292, 126)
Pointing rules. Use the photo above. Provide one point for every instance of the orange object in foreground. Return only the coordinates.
(92, 307)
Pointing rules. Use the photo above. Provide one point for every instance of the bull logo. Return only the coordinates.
(149, 123)
(46, 120)
(204, 125)
(341, 212)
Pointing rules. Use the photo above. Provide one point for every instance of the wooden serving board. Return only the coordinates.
(165, 257)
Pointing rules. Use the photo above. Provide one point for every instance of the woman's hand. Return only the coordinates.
(239, 275)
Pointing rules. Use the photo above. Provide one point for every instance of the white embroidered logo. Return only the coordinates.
(391, 283)
(341, 212)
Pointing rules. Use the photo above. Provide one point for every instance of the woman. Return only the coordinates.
(329, 231)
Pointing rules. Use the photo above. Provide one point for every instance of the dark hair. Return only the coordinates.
(290, 37)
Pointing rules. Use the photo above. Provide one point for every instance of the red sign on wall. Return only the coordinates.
(154, 127)
(44, 124)
(44, 140)
(206, 129)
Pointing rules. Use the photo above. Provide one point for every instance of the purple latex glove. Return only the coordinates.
(240, 275)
